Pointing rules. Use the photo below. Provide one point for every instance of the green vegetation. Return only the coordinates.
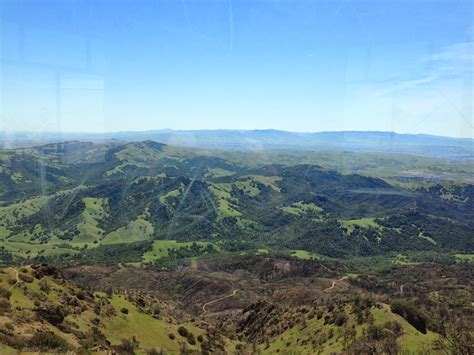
(62, 317)
(305, 255)
(410, 313)
(315, 335)
(7, 350)
(172, 193)
(11, 214)
(226, 207)
(149, 331)
(93, 214)
(335, 314)
(136, 231)
(301, 208)
(218, 172)
(401, 259)
(352, 224)
(162, 249)
(465, 257)
(147, 191)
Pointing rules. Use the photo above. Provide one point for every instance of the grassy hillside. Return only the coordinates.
(316, 336)
(41, 311)
(247, 303)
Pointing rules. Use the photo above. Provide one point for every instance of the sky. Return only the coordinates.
(116, 65)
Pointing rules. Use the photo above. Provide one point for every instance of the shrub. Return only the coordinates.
(4, 293)
(81, 295)
(171, 336)
(129, 345)
(124, 310)
(156, 309)
(394, 326)
(52, 313)
(341, 319)
(25, 278)
(45, 341)
(191, 339)
(94, 337)
(183, 331)
(408, 311)
(44, 286)
(330, 333)
(4, 306)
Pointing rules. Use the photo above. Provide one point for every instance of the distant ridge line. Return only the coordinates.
(271, 139)
(221, 130)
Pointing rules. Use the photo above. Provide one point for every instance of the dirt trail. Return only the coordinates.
(401, 289)
(334, 282)
(217, 300)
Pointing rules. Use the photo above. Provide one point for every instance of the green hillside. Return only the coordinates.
(41, 311)
(97, 198)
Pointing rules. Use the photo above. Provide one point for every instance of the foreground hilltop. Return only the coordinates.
(245, 305)
(42, 311)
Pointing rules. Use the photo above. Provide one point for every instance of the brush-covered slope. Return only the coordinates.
(286, 305)
(42, 311)
(243, 304)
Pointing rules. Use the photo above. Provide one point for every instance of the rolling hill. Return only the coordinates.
(77, 201)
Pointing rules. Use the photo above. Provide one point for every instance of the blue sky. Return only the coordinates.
(403, 66)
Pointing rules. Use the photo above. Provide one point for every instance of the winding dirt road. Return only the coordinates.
(334, 282)
(217, 300)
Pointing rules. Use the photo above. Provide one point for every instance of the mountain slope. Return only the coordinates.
(87, 202)
(42, 311)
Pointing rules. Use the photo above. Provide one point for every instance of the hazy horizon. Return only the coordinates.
(109, 133)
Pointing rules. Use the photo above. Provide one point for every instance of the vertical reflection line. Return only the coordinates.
(468, 91)
(57, 88)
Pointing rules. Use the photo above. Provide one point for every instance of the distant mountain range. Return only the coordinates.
(369, 141)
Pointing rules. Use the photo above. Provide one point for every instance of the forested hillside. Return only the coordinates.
(127, 202)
